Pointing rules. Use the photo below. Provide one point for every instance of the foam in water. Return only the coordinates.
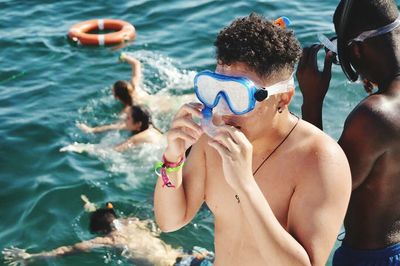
(168, 77)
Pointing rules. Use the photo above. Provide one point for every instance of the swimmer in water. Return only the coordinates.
(131, 93)
(137, 239)
(139, 121)
(126, 92)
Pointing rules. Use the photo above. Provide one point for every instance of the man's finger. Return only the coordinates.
(328, 63)
(237, 136)
(303, 57)
(190, 108)
(312, 57)
(178, 133)
(226, 140)
(189, 123)
(222, 150)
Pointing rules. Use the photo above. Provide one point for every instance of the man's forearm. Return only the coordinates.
(170, 203)
(312, 113)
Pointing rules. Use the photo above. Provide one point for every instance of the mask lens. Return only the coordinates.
(207, 89)
(210, 87)
(237, 95)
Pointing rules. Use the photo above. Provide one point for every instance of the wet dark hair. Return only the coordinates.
(101, 220)
(142, 114)
(122, 92)
(366, 15)
(255, 41)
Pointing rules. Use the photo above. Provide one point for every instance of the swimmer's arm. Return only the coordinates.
(85, 128)
(176, 207)
(364, 140)
(315, 213)
(84, 246)
(136, 75)
(139, 138)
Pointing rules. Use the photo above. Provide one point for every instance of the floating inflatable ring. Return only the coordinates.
(80, 32)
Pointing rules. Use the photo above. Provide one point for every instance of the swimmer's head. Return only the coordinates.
(138, 118)
(122, 90)
(101, 220)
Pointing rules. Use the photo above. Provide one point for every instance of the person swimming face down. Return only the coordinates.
(138, 118)
(122, 91)
(101, 220)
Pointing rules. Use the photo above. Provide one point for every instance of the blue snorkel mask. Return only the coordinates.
(231, 95)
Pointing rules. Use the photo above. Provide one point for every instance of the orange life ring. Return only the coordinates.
(80, 32)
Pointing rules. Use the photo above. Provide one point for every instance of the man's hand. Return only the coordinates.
(313, 83)
(236, 152)
(184, 132)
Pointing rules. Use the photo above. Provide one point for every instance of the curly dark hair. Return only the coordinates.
(255, 41)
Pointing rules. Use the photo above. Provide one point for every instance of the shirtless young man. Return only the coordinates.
(371, 134)
(277, 186)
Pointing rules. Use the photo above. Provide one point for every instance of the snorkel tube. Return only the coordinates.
(206, 122)
(343, 51)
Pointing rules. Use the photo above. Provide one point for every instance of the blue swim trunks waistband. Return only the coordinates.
(198, 257)
(347, 256)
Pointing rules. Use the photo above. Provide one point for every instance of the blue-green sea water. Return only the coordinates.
(47, 85)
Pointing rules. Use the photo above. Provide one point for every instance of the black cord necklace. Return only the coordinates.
(283, 140)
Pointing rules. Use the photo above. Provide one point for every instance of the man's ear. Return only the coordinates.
(286, 98)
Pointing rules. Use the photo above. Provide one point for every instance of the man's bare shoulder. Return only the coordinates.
(315, 141)
(374, 120)
(322, 154)
(321, 193)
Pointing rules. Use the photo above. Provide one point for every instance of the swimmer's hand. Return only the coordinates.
(89, 206)
(15, 256)
(78, 147)
(126, 57)
(85, 128)
(122, 57)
